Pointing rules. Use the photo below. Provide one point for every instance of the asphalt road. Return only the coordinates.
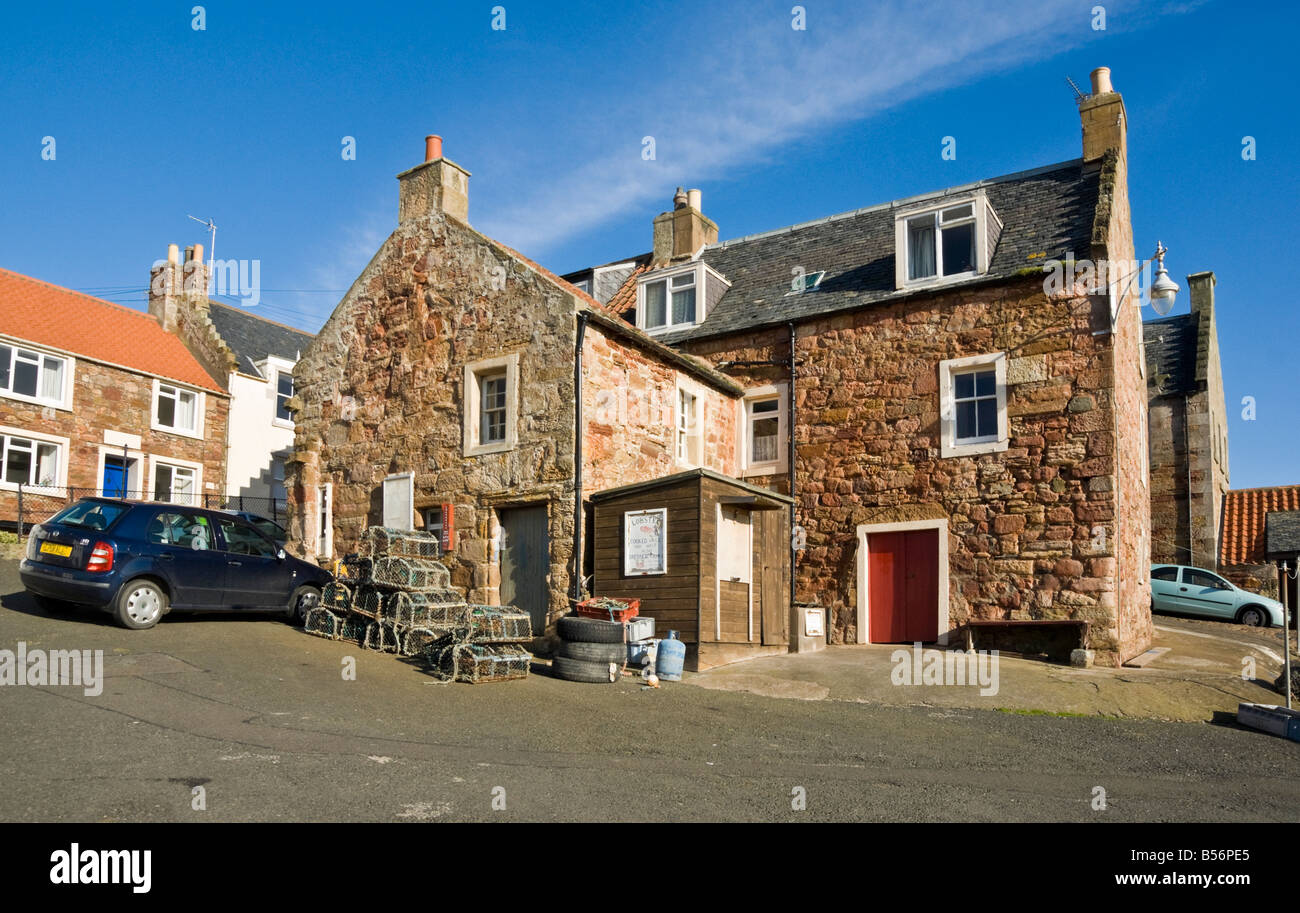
(259, 715)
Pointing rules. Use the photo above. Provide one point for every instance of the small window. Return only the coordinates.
(975, 396)
(493, 409)
(945, 242)
(182, 530)
(688, 428)
(973, 405)
(1193, 577)
(28, 462)
(669, 302)
(764, 430)
(1165, 573)
(177, 409)
(283, 393)
(174, 484)
(32, 375)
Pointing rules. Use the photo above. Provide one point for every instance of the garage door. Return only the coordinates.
(903, 586)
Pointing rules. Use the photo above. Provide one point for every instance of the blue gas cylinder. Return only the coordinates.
(670, 658)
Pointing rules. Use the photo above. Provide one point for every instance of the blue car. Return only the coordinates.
(1181, 590)
(140, 560)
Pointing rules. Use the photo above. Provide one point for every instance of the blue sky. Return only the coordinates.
(243, 122)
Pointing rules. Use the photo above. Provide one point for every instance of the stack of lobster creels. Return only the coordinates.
(395, 596)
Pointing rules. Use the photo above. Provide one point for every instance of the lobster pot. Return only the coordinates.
(425, 640)
(324, 623)
(369, 603)
(383, 636)
(476, 663)
(382, 541)
(426, 608)
(496, 624)
(337, 597)
(358, 567)
(354, 628)
(411, 574)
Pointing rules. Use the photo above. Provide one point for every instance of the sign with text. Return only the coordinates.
(645, 542)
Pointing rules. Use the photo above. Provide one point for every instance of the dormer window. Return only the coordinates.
(674, 298)
(942, 243)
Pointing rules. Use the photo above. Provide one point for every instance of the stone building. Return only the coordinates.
(1189, 431)
(97, 399)
(449, 371)
(954, 402)
(253, 359)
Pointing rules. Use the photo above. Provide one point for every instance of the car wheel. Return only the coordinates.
(304, 599)
(140, 604)
(52, 606)
(1252, 616)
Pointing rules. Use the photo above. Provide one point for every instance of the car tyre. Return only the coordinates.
(578, 670)
(51, 606)
(140, 604)
(1253, 617)
(304, 599)
(594, 653)
(589, 630)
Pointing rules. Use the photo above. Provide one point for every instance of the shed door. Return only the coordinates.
(526, 562)
(903, 586)
(775, 585)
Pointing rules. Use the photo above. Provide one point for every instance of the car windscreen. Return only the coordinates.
(97, 515)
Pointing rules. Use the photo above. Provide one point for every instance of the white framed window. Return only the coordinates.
(973, 405)
(177, 409)
(283, 393)
(688, 437)
(676, 297)
(947, 242)
(807, 282)
(174, 483)
(491, 396)
(764, 430)
(35, 376)
(32, 460)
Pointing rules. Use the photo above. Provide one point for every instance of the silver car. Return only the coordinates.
(1181, 590)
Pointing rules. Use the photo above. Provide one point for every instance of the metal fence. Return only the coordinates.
(25, 506)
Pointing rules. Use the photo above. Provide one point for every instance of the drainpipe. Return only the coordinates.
(1187, 456)
(578, 519)
(790, 455)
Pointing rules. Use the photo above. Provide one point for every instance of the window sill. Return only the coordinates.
(939, 281)
(32, 489)
(179, 432)
(763, 469)
(485, 449)
(282, 423)
(974, 449)
(36, 401)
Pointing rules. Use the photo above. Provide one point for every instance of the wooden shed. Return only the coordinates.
(707, 555)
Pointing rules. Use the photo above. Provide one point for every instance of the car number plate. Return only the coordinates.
(53, 548)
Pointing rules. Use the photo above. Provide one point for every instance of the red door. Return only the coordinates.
(903, 586)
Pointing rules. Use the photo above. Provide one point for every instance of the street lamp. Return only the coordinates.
(1163, 290)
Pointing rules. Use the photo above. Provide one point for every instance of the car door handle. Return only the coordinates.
(1183, 589)
(164, 557)
(235, 563)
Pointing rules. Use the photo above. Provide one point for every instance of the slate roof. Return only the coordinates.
(50, 315)
(1282, 532)
(1244, 520)
(1047, 214)
(1171, 345)
(253, 338)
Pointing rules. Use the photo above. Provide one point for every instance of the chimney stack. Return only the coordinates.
(1201, 287)
(1105, 122)
(679, 234)
(438, 185)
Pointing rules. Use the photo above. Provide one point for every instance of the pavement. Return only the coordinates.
(1200, 676)
(230, 718)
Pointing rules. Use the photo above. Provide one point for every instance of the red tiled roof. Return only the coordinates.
(1243, 521)
(60, 318)
(624, 299)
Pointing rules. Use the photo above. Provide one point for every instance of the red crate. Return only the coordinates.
(602, 607)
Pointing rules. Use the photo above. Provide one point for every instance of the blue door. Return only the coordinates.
(114, 477)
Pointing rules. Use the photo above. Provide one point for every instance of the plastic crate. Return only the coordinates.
(640, 628)
(640, 651)
(607, 608)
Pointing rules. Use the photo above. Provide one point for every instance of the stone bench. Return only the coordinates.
(1057, 638)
